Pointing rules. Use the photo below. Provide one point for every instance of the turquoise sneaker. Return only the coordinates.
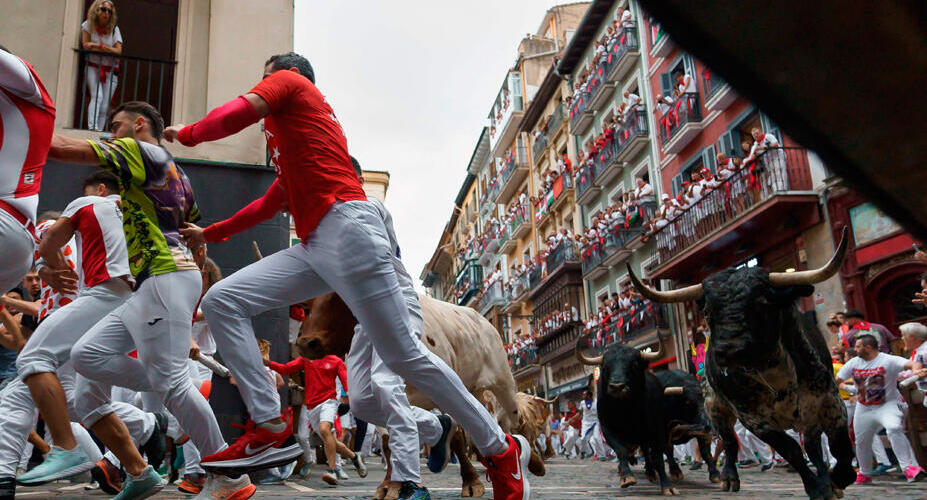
(58, 464)
(410, 491)
(149, 484)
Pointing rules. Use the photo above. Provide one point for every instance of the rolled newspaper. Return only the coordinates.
(908, 381)
(215, 366)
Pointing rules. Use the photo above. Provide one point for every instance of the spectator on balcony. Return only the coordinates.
(767, 146)
(624, 16)
(685, 83)
(644, 191)
(100, 34)
(632, 100)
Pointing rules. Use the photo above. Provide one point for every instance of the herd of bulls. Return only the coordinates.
(763, 367)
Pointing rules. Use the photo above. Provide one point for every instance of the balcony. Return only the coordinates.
(580, 116)
(540, 144)
(556, 119)
(764, 203)
(504, 124)
(660, 43)
(718, 94)
(524, 361)
(618, 244)
(516, 290)
(554, 198)
(559, 343)
(519, 226)
(535, 276)
(681, 123)
(606, 164)
(128, 78)
(492, 296)
(642, 318)
(632, 137)
(586, 188)
(468, 282)
(566, 257)
(510, 178)
(623, 55)
(600, 88)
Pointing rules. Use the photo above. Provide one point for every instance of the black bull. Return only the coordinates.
(765, 368)
(640, 409)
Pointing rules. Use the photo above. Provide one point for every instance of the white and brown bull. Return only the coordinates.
(460, 336)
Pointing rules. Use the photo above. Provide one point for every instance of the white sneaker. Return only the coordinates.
(342, 475)
(330, 477)
(220, 487)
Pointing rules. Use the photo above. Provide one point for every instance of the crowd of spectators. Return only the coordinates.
(625, 213)
(614, 35)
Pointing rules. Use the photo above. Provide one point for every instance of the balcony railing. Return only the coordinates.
(524, 358)
(775, 172)
(554, 346)
(609, 245)
(560, 186)
(585, 180)
(535, 276)
(491, 296)
(540, 144)
(643, 317)
(565, 252)
(635, 125)
(685, 110)
(469, 280)
(107, 80)
(578, 107)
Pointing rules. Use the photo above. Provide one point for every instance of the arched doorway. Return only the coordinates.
(889, 294)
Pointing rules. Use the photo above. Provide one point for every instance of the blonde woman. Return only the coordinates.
(100, 34)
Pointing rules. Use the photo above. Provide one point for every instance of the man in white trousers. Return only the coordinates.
(46, 376)
(27, 121)
(345, 249)
(156, 320)
(752, 448)
(589, 436)
(875, 375)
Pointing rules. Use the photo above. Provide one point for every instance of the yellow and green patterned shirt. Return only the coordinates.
(156, 201)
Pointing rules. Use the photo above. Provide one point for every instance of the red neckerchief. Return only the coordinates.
(101, 31)
(861, 325)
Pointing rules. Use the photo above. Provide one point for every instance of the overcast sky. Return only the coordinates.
(411, 83)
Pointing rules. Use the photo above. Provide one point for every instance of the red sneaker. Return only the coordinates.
(258, 448)
(508, 471)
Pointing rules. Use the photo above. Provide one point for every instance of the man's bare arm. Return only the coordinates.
(71, 150)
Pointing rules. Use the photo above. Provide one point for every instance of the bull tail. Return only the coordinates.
(688, 431)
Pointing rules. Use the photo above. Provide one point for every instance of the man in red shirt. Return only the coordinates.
(322, 406)
(344, 249)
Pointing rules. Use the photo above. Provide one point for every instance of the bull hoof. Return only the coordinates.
(730, 485)
(392, 493)
(714, 478)
(670, 491)
(628, 481)
(536, 465)
(473, 490)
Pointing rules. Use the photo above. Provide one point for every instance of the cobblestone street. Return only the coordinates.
(564, 480)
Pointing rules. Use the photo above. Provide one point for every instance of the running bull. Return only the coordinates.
(640, 409)
(765, 368)
(460, 336)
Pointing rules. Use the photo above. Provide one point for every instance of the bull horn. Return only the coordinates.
(586, 360)
(813, 276)
(693, 292)
(672, 391)
(550, 401)
(257, 251)
(653, 356)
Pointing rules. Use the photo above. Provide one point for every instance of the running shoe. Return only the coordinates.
(507, 471)
(882, 469)
(862, 479)
(58, 464)
(441, 451)
(412, 491)
(107, 476)
(341, 474)
(7, 488)
(148, 484)
(746, 464)
(330, 477)
(156, 447)
(914, 474)
(192, 485)
(258, 448)
(359, 465)
(305, 470)
(768, 465)
(219, 487)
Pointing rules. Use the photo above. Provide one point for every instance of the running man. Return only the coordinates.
(345, 249)
(94, 221)
(156, 319)
(27, 122)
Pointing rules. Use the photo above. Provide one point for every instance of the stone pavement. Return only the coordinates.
(564, 480)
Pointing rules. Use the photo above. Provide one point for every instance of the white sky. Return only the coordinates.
(411, 83)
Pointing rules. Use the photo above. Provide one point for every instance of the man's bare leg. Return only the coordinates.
(114, 434)
(50, 399)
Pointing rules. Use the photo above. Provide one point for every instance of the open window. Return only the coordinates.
(144, 71)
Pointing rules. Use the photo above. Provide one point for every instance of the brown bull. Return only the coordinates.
(460, 336)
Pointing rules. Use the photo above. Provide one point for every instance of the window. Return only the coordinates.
(601, 296)
(682, 65)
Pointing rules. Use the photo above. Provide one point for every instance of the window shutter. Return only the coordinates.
(666, 84)
(769, 127)
(708, 158)
(727, 144)
(677, 184)
(688, 63)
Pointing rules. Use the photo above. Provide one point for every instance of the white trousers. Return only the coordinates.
(101, 93)
(592, 440)
(867, 421)
(348, 253)
(570, 435)
(191, 456)
(17, 248)
(156, 321)
(378, 396)
(751, 446)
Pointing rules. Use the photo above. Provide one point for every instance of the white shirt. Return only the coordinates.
(688, 84)
(920, 355)
(100, 239)
(203, 338)
(632, 101)
(626, 19)
(768, 141)
(876, 379)
(590, 413)
(645, 190)
(109, 40)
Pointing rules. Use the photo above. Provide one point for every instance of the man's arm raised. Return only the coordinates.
(223, 121)
(67, 149)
